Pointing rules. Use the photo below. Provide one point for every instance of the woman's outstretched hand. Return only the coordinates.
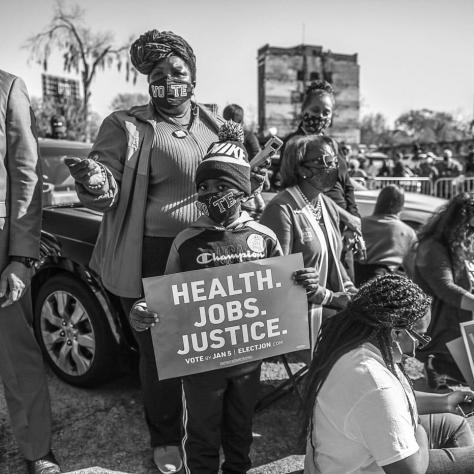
(141, 318)
(83, 170)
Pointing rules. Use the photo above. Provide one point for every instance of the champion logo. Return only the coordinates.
(205, 258)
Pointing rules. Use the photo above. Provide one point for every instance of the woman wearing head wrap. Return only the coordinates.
(443, 267)
(360, 413)
(307, 221)
(140, 173)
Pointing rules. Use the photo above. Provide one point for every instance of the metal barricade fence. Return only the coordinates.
(449, 187)
(413, 184)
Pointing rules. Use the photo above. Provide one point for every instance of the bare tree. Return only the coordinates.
(127, 100)
(83, 51)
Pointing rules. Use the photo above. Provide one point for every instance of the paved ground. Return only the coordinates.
(104, 427)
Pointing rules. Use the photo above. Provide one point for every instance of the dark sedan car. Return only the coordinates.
(79, 325)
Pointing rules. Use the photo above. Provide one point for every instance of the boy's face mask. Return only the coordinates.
(169, 92)
(220, 207)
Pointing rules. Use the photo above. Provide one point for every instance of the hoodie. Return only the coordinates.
(204, 244)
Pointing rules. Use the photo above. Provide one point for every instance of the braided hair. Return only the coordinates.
(390, 301)
(154, 46)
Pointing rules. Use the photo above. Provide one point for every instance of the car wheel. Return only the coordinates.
(73, 331)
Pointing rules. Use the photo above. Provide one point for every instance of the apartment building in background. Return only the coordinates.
(284, 74)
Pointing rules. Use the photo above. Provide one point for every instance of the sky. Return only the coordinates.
(412, 53)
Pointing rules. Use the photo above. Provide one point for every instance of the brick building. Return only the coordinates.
(284, 73)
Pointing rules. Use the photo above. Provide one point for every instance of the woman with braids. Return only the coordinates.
(360, 412)
(307, 221)
(444, 268)
(140, 173)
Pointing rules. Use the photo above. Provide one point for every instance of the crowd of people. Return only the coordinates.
(424, 165)
(173, 180)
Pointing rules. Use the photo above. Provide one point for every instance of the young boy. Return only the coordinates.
(218, 405)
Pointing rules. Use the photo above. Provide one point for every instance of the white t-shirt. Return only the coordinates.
(361, 419)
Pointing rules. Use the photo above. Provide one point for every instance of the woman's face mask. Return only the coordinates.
(313, 124)
(323, 179)
(320, 168)
(317, 114)
(169, 92)
(221, 207)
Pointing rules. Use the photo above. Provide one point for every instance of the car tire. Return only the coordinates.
(73, 332)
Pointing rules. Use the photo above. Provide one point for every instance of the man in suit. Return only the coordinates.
(21, 363)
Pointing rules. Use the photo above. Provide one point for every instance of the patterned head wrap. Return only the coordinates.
(154, 46)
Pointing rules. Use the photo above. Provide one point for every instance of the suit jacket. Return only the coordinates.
(20, 173)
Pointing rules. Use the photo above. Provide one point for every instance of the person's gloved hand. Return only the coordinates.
(258, 176)
(141, 318)
(85, 171)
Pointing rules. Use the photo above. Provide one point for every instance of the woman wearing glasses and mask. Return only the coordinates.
(307, 221)
(361, 414)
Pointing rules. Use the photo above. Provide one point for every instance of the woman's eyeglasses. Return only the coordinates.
(422, 340)
(326, 160)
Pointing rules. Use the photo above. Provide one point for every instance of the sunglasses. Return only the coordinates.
(422, 340)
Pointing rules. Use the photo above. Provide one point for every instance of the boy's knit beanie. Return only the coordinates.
(227, 159)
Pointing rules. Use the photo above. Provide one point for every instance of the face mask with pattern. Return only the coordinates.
(315, 125)
(220, 207)
(168, 92)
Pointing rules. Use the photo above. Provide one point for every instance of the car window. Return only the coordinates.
(58, 184)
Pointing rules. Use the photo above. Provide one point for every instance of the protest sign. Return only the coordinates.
(467, 333)
(228, 315)
(458, 351)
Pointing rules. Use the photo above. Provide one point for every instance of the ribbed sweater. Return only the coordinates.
(171, 190)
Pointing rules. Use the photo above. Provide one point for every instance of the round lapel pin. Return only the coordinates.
(180, 134)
